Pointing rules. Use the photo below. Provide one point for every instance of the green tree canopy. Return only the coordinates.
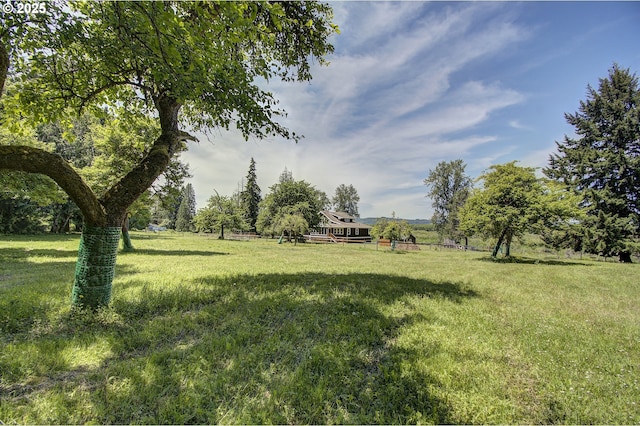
(221, 212)
(513, 201)
(293, 224)
(193, 64)
(346, 200)
(391, 229)
(187, 210)
(290, 197)
(602, 163)
(449, 189)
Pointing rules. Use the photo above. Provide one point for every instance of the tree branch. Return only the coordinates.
(121, 195)
(4, 66)
(35, 160)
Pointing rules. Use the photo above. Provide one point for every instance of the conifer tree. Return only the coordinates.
(251, 197)
(603, 164)
(187, 210)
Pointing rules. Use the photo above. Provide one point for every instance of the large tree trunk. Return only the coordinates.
(103, 218)
(35, 160)
(507, 251)
(499, 243)
(126, 238)
(95, 267)
(625, 257)
(4, 66)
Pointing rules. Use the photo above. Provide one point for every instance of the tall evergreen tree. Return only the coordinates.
(346, 200)
(603, 164)
(286, 176)
(187, 210)
(251, 197)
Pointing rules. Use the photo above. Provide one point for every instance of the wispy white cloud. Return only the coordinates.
(516, 124)
(390, 105)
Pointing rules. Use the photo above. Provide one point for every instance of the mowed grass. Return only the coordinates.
(208, 331)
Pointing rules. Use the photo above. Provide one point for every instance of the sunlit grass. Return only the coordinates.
(209, 331)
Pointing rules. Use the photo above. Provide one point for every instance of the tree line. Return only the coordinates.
(588, 198)
(291, 207)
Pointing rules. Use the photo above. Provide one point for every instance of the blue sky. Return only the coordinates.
(414, 83)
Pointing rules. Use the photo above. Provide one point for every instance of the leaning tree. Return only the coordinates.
(191, 65)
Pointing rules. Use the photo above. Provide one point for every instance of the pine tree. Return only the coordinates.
(251, 197)
(187, 210)
(603, 164)
(286, 176)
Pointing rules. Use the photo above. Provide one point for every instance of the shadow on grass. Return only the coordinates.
(21, 254)
(153, 252)
(267, 348)
(31, 291)
(531, 261)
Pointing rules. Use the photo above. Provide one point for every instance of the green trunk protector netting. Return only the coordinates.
(96, 265)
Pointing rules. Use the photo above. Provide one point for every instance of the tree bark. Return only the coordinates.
(121, 195)
(4, 66)
(103, 218)
(625, 257)
(35, 160)
(499, 243)
(507, 244)
(126, 238)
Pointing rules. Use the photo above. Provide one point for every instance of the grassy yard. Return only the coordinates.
(208, 331)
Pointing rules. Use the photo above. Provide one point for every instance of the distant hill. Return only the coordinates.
(373, 220)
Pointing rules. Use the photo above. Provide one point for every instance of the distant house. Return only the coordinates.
(340, 227)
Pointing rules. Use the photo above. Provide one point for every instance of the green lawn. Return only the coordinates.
(208, 331)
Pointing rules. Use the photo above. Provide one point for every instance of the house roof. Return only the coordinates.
(342, 215)
(342, 220)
